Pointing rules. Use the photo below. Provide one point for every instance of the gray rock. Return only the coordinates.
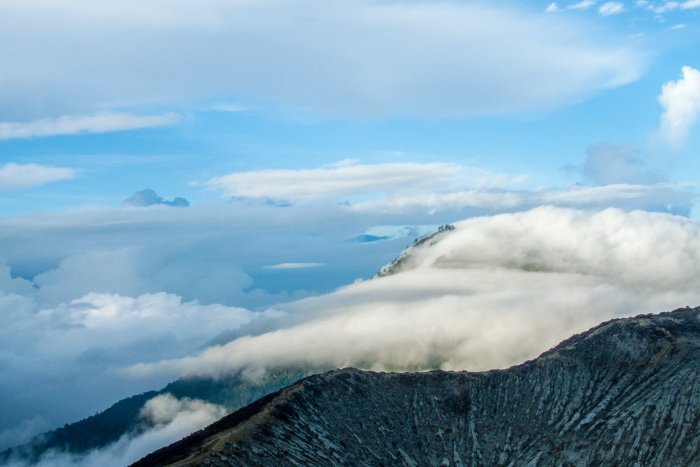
(624, 393)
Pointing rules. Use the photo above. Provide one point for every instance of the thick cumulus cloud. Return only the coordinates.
(168, 419)
(343, 58)
(71, 350)
(681, 103)
(492, 293)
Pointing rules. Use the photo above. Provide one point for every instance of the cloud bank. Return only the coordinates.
(493, 293)
(182, 280)
(681, 103)
(72, 350)
(347, 58)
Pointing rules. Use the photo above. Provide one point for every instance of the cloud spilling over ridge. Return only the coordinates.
(185, 274)
(169, 419)
(105, 122)
(22, 176)
(340, 58)
(494, 292)
(681, 103)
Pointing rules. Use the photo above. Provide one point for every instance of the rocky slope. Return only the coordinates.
(626, 392)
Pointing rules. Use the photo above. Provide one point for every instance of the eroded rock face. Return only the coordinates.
(625, 392)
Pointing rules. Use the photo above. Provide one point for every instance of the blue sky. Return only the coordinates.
(314, 141)
(200, 128)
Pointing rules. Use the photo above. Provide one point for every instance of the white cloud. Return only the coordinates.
(172, 419)
(66, 320)
(21, 176)
(681, 102)
(582, 5)
(165, 409)
(105, 122)
(346, 180)
(674, 5)
(339, 58)
(71, 349)
(434, 187)
(492, 293)
(611, 8)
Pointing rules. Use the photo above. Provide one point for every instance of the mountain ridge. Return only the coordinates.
(626, 391)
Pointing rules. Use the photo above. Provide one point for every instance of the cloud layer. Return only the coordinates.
(347, 58)
(493, 293)
(177, 279)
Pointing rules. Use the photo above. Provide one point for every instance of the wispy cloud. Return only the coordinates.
(107, 122)
(611, 8)
(348, 179)
(619, 171)
(344, 180)
(582, 5)
(681, 103)
(21, 176)
(672, 5)
(346, 58)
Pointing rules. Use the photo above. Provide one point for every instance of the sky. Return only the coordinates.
(197, 188)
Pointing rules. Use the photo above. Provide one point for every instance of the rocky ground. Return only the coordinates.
(624, 393)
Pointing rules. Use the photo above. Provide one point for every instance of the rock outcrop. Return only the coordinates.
(626, 392)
